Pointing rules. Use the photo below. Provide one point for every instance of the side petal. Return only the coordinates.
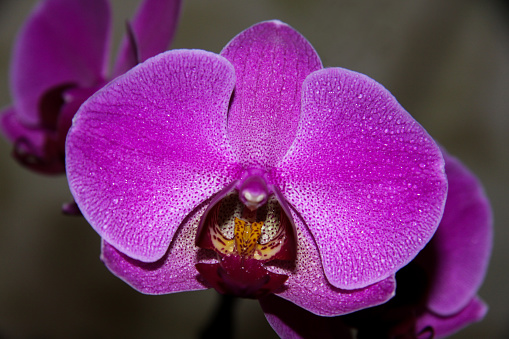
(308, 287)
(290, 321)
(271, 61)
(148, 148)
(366, 178)
(462, 244)
(154, 27)
(445, 326)
(62, 42)
(174, 272)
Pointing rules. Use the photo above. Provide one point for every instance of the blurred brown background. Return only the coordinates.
(447, 62)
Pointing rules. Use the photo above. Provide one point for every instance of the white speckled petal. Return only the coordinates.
(271, 61)
(148, 148)
(290, 321)
(366, 178)
(174, 272)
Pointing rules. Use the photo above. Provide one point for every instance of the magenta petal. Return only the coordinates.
(308, 287)
(174, 272)
(366, 178)
(271, 61)
(149, 147)
(290, 321)
(59, 45)
(154, 27)
(463, 241)
(446, 326)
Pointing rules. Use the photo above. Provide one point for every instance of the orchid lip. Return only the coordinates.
(246, 227)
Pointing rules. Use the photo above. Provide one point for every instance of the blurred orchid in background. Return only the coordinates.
(452, 267)
(256, 172)
(61, 58)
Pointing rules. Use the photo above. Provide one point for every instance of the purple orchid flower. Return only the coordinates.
(436, 294)
(61, 58)
(256, 172)
(456, 260)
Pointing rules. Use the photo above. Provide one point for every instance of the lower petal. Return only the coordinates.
(174, 272)
(292, 321)
(308, 287)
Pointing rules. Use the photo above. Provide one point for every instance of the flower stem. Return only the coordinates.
(220, 324)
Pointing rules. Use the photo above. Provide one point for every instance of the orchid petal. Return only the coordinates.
(271, 61)
(174, 272)
(308, 288)
(19, 134)
(59, 45)
(463, 242)
(154, 27)
(290, 321)
(148, 148)
(446, 326)
(366, 178)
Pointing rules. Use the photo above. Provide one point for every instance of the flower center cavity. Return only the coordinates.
(245, 236)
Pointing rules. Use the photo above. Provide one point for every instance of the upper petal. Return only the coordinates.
(145, 150)
(154, 27)
(308, 287)
(462, 243)
(367, 179)
(63, 41)
(271, 61)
